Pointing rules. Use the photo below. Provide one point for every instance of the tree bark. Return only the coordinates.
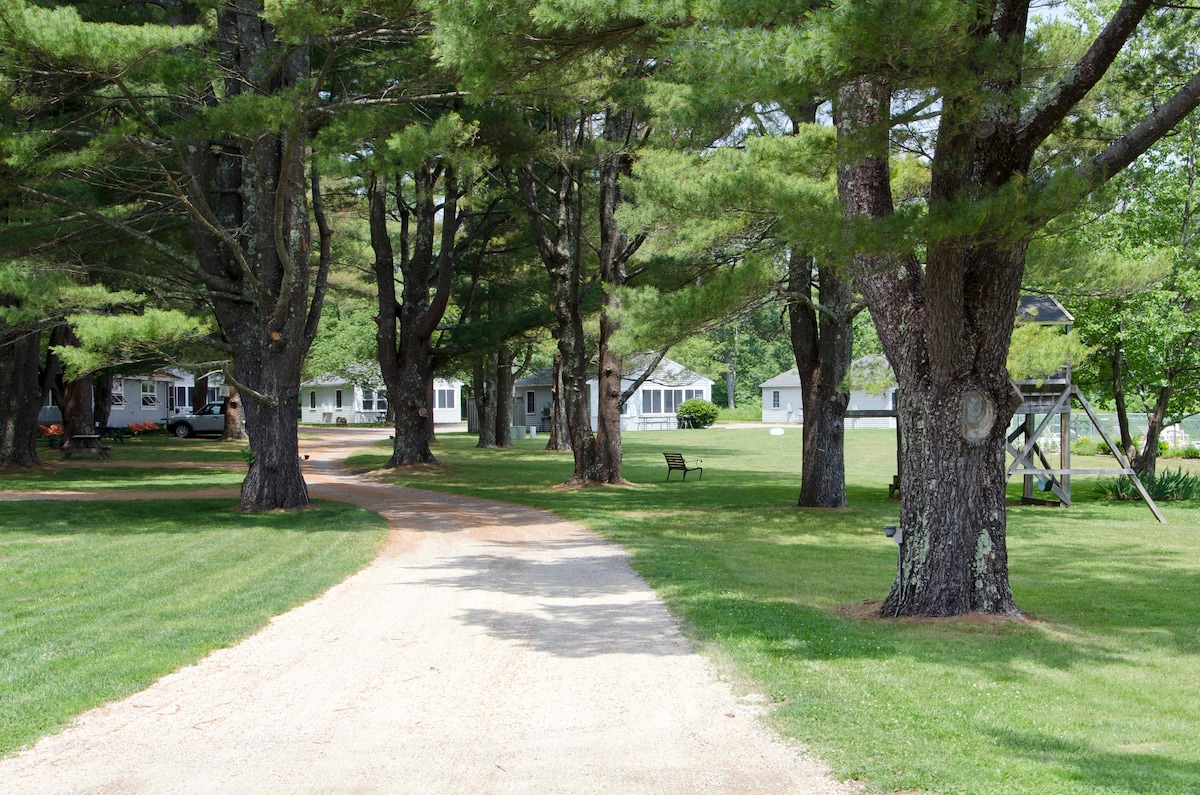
(557, 233)
(504, 397)
(78, 405)
(822, 342)
(20, 397)
(945, 328)
(731, 357)
(615, 250)
(252, 242)
(234, 430)
(406, 327)
(560, 435)
(485, 399)
(1145, 462)
(274, 477)
(102, 394)
(953, 401)
(1116, 361)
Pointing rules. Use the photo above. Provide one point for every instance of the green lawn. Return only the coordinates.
(1097, 694)
(187, 464)
(95, 613)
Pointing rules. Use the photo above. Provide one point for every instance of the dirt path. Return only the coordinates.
(490, 649)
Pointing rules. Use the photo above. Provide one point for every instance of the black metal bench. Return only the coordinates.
(675, 462)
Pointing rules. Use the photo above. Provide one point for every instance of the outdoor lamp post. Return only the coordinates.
(897, 534)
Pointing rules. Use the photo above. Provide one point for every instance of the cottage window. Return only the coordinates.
(368, 400)
(775, 399)
(312, 399)
(445, 398)
(531, 403)
(118, 397)
(149, 395)
(337, 398)
(652, 401)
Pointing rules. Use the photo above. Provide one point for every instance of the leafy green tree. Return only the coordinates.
(1003, 164)
(1142, 316)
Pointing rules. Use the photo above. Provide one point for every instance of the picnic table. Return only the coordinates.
(118, 435)
(86, 443)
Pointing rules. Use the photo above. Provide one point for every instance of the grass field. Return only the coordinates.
(95, 610)
(147, 462)
(1097, 694)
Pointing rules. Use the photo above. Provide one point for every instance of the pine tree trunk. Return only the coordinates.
(504, 397)
(823, 345)
(945, 330)
(20, 399)
(572, 349)
(413, 413)
(1116, 361)
(78, 407)
(608, 432)
(485, 399)
(822, 465)
(274, 478)
(560, 250)
(406, 326)
(252, 238)
(560, 435)
(615, 249)
(102, 395)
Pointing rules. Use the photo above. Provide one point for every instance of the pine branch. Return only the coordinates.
(1084, 75)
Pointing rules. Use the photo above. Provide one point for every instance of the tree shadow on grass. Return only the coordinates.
(1104, 770)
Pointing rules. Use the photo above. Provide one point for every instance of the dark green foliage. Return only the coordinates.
(702, 412)
(1168, 486)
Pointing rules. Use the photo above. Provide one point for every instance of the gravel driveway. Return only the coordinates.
(489, 649)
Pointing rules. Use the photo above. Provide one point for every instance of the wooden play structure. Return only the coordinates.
(1052, 399)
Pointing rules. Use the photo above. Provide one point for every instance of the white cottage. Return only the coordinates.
(153, 397)
(782, 398)
(330, 399)
(652, 407)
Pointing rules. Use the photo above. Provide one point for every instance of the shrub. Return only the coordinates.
(1085, 445)
(1168, 486)
(1191, 451)
(702, 412)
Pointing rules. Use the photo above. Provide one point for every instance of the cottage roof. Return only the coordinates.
(790, 378)
(668, 373)
(333, 379)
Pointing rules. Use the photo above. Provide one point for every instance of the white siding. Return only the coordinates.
(319, 402)
(791, 404)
